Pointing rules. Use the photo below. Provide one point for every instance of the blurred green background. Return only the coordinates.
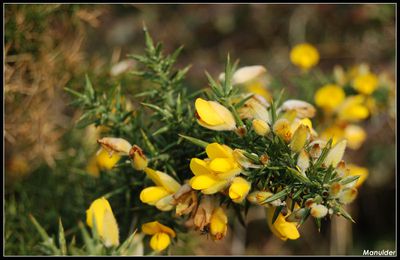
(52, 46)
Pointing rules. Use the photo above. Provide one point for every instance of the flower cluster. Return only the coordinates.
(245, 148)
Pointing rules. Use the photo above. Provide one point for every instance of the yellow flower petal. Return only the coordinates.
(216, 150)
(335, 154)
(202, 181)
(281, 228)
(199, 167)
(110, 230)
(152, 195)
(207, 113)
(299, 138)
(355, 136)
(355, 170)
(221, 165)
(105, 161)
(353, 109)
(163, 179)
(220, 185)
(151, 228)
(160, 241)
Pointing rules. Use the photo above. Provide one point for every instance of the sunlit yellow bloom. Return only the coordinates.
(366, 84)
(253, 109)
(115, 145)
(355, 136)
(334, 132)
(355, 170)
(304, 56)
(218, 224)
(139, 160)
(160, 195)
(281, 228)
(353, 109)
(213, 174)
(299, 138)
(161, 235)
(100, 211)
(261, 127)
(214, 116)
(282, 129)
(335, 154)
(329, 97)
(306, 122)
(239, 189)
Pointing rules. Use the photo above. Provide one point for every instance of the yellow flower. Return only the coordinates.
(239, 189)
(304, 56)
(282, 129)
(303, 161)
(366, 84)
(213, 174)
(214, 116)
(218, 224)
(355, 170)
(353, 109)
(355, 136)
(161, 235)
(281, 228)
(139, 160)
(261, 127)
(100, 211)
(161, 195)
(335, 154)
(329, 97)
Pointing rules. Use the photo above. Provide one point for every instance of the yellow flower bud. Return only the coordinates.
(115, 145)
(161, 234)
(304, 56)
(335, 189)
(366, 84)
(319, 211)
(218, 224)
(329, 97)
(139, 160)
(105, 161)
(282, 129)
(261, 127)
(239, 189)
(214, 116)
(335, 154)
(100, 211)
(299, 138)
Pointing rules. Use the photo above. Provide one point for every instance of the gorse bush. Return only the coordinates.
(199, 160)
